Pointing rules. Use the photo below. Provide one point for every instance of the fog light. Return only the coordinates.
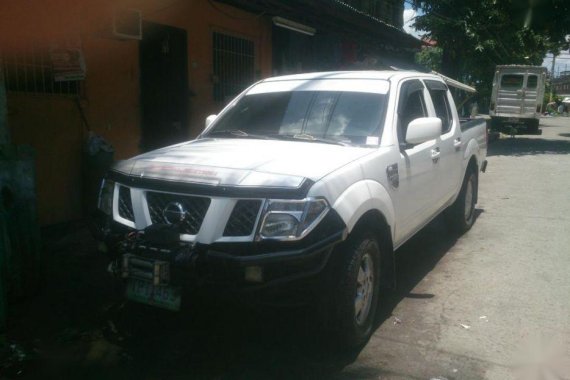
(254, 274)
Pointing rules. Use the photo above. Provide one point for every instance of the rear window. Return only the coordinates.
(512, 81)
(531, 81)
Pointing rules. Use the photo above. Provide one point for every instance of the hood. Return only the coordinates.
(242, 162)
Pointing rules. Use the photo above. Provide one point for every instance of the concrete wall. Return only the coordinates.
(52, 123)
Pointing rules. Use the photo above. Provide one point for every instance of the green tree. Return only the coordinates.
(430, 57)
(477, 35)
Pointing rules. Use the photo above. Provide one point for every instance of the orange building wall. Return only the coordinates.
(52, 123)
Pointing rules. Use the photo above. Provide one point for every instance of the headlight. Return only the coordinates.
(292, 220)
(106, 196)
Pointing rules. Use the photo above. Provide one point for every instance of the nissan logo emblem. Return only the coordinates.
(174, 213)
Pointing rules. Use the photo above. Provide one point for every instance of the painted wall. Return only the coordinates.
(52, 124)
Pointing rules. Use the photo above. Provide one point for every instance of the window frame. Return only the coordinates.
(30, 71)
(535, 83)
(437, 87)
(223, 90)
(406, 89)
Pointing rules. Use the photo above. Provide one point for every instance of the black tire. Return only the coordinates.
(460, 216)
(353, 324)
(532, 126)
(495, 124)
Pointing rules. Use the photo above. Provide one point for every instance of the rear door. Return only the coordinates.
(448, 168)
(530, 94)
(510, 93)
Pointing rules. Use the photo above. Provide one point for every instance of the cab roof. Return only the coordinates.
(374, 75)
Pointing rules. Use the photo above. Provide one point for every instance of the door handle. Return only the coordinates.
(435, 153)
(457, 143)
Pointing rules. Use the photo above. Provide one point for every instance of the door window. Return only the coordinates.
(412, 106)
(512, 81)
(442, 109)
(531, 82)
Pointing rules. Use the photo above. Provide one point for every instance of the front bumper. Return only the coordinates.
(243, 267)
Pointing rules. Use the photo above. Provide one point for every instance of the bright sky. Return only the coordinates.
(562, 62)
(409, 15)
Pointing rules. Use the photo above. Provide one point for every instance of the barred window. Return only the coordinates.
(31, 71)
(234, 65)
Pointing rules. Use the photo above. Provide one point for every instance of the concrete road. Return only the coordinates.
(495, 304)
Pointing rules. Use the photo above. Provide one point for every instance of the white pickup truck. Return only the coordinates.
(302, 185)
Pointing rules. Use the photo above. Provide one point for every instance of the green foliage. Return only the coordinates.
(430, 57)
(477, 35)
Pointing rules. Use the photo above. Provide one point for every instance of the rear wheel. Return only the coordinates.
(460, 216)
(358, 290)
(495, 124)
(532, 126)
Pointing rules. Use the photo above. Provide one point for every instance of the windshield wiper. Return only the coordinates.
(310, 138)
(237, 133)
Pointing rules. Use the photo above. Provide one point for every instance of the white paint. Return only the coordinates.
(352, 179)
(423, 129)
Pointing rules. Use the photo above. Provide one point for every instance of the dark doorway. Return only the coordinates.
(163, 59)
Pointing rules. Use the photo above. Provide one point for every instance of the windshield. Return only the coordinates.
(333, 116)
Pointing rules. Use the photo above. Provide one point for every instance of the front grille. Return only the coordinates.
(126, 204)
(195, 208)
(243, 217)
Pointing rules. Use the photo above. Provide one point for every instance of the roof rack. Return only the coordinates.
(454, 83)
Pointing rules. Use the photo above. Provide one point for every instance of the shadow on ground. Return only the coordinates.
(79, 326)
(523, 146)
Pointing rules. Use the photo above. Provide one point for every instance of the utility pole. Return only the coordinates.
(552, 77)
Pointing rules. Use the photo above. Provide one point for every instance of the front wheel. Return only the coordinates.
(358, 292)
(460, 216)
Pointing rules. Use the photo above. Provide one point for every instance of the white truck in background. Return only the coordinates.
(303, 184)
(517, 97)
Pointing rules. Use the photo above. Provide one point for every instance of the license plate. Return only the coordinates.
(166, 297)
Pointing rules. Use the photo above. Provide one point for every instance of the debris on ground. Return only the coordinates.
(397, 321)
(13, 359)
(466, 327)
(112, 327)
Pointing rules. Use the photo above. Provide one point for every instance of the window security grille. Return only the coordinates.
(234, 65)
(31, 71)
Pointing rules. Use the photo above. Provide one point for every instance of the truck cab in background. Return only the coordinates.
(517, 97)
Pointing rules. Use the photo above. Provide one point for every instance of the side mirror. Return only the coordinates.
(210, 119)
(423, 129)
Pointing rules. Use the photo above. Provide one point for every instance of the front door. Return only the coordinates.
(415, 195)
(163, 57)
